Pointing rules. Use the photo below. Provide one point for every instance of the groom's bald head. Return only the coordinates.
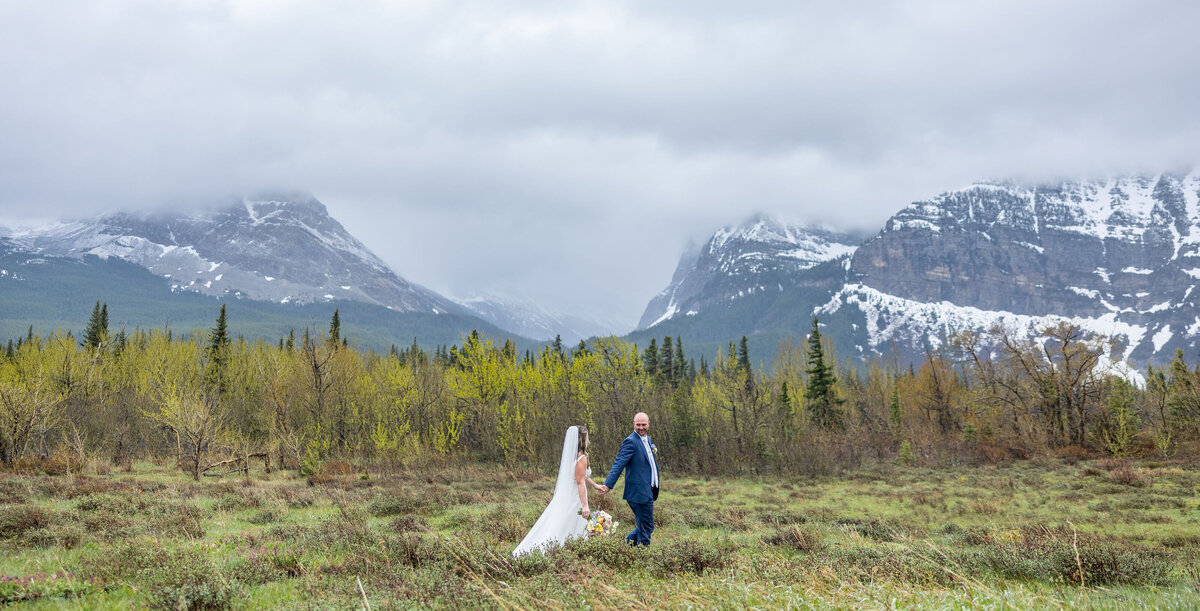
(641, 423)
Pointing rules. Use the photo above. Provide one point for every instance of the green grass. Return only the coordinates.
(883, 537)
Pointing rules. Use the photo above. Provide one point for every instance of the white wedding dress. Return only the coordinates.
(561, 520)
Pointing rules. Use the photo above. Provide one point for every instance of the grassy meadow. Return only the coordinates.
(1103, 534)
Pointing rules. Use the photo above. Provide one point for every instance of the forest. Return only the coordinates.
(213, 403)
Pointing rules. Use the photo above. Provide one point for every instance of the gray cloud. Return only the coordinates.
(568, 150)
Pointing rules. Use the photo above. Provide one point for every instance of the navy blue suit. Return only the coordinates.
(639, 494)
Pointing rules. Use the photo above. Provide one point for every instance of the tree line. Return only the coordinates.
(208, 400)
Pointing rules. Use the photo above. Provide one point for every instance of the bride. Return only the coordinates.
(566, 515)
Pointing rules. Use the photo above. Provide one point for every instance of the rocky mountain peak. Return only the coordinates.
(761, 254)
(282, 248)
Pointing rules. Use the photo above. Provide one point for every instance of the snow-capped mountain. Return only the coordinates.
(1119, 255)
(528, 319)
(285, 249)
(759, 256)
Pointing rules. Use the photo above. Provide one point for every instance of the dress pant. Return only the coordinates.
(643, 515)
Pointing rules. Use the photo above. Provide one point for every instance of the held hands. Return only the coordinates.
(603, 489)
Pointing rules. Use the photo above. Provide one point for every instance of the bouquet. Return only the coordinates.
(600, 524)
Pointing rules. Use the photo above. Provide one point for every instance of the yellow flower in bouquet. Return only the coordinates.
(600, 524)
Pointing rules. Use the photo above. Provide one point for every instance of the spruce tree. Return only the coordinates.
(335, 329)
(821, 394)
(291, 340)
(651, 358)
(218, 353)
(703, 366)
(743, 361)
(680, 361)
(743, 358)
(97, 327)
(666, 361)
(557, 346)
(894, 415)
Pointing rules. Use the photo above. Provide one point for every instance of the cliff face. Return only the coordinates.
(1122, 251)
(1083, 248)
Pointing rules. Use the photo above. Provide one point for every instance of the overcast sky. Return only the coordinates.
(567, 151)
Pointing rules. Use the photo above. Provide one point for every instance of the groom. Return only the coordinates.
(641, 479)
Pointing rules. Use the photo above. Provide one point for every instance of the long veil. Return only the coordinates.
(561, 518)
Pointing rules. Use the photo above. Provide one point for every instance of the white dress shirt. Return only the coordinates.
(653, 465)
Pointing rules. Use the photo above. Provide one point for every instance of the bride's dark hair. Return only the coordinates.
(583, 439)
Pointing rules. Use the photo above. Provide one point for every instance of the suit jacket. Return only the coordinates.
(633, 460)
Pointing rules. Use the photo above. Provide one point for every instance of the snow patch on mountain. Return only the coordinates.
(917, 325)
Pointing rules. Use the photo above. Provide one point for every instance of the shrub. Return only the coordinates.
(504, 524)
(27, 465)
(106, 502)
(63, 463)
(266, 562)
(337, 467)
(690, 556)
(14, 491)
(805, 538)
(1049, 554)
(884, 563)
(1129, 477)
(394, 505)
(64, 535)
(879, 530)
(39, 585)
(238, 500)
(611, 551)
(265, 516)
(18, 519)
(781, 517)
(1182, 541)
(187, 579)
(408, 523)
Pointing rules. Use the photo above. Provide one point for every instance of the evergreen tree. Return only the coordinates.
(786, 411)
(743, 353)
(651, 358)
(666, 361)
(557, 346)
(335, 329)
(743, 361)
(10, 353)
(97, 327)
(895, 415)
(821, 394)
(291, 340)
(680, 361)
(509, 352)
(217, 353)
(703, 366)
(581, 349)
